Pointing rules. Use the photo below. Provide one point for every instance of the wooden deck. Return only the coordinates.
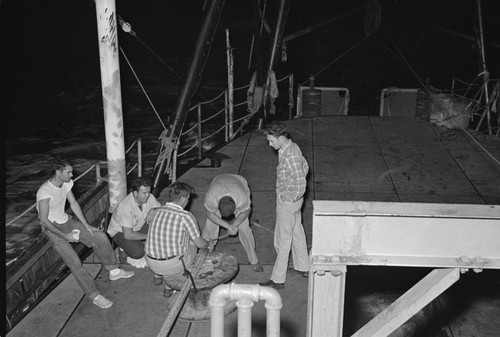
(351, 158)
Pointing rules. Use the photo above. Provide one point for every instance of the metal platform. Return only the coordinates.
(351, 158)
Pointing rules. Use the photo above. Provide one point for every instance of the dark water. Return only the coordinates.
(53, 102)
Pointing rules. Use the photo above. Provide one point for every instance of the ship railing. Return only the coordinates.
(222, 119)
(97, 168)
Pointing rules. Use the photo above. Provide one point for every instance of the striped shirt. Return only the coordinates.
(291, 172)
(170, 231)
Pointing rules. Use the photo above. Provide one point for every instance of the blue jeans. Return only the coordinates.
(102, 249)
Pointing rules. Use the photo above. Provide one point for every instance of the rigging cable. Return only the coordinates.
(336, 59)
(402, 58)
(127, 28)
(142, 87)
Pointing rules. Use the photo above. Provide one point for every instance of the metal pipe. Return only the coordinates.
(107, 34)
(244, 293)
(244, 317)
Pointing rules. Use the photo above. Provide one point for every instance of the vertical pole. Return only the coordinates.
(112, 100)
(486, 75)
(174, 165)
(230, 86)
(200, 154)
(98, 172)
(139, 157)
(226, 116)
(290, 96)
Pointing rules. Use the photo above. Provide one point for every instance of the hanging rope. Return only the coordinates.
(168, 145)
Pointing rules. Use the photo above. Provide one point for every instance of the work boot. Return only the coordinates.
(301, 273)
(272, 284)
(167, 292)
(257, 268)
(157, 280)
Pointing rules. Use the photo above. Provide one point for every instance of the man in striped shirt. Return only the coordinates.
(170, 237)
(290, 188)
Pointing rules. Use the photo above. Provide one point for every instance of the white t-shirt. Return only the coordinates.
(57, 202)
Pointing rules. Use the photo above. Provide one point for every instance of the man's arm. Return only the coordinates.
(240, 218)
(43, 207)
(201, 242)
(130, 234)
(75, 206)
(217, 219)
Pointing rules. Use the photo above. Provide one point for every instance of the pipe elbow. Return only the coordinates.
(272, 298)
(219, 296)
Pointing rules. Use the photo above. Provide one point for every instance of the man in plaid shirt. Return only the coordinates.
(290, 188)
(170, 235)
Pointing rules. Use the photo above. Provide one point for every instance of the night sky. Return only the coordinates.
(47, 46)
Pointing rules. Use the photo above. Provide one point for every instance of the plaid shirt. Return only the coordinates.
(291, 172)
(170, 231)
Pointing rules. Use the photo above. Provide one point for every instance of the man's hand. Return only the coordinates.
(232, 230)
(210, 245)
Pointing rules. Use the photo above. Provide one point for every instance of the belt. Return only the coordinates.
(162, 258)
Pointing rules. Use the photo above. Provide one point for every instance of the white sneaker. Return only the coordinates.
(138, 263)
(102, 302)
(121, 274)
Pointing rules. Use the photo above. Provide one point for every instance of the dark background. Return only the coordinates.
(49, 47)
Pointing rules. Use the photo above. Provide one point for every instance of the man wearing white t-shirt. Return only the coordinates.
(58, 226)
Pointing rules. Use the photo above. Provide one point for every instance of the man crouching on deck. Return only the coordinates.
(130, 221)
(169, 236)
(58, 226)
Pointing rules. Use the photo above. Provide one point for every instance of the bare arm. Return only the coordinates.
(43, 207)
(201, 242)
(241, 217)
(217, 219)
(75, 206)
(129, 234)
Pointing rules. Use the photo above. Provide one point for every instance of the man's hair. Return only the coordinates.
(275, 129)
(226, 207)
(59, 164)
(179, 190)
(138, 182)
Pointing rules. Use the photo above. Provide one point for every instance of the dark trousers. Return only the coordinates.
(133, 248)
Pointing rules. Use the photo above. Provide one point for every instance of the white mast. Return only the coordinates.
(107, 34)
